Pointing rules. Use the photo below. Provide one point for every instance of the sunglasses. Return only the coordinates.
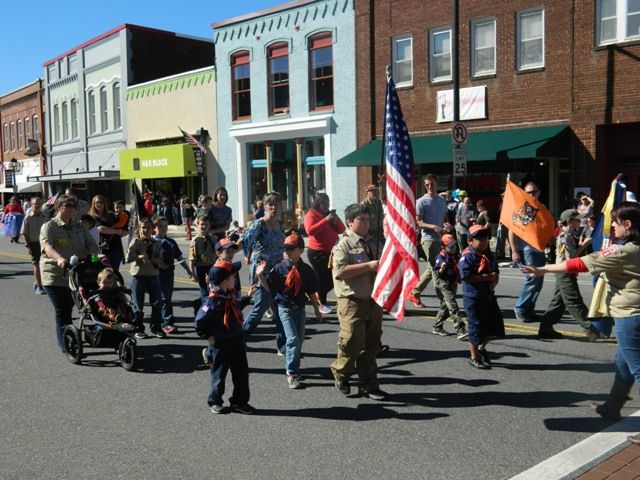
(69, 205)
(533, 192)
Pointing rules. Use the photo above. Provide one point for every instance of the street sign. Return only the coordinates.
(459, 162)
(459, 133)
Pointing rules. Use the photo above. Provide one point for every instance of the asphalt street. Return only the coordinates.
(443, 418)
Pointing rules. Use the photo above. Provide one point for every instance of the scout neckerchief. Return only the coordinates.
(293, 281)
(483, 265)
(231, 311)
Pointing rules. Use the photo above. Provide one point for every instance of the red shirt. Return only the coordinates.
(323, 234)
(13, 209)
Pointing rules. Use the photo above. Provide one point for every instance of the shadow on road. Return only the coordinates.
(362, 412)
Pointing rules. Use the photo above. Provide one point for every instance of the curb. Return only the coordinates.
(586, 454)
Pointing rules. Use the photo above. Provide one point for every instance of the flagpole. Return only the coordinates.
(382, 162)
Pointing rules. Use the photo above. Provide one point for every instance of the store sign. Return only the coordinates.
(473, 104)
(168, 161)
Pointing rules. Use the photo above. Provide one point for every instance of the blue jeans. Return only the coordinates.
(628, 353)
(532, 285)
(140, 285)
(166, 278)
(293, 322)
(262, 300)
(62, 302)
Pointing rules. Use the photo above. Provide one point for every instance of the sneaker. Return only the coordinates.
(218, 409)
(158, 334)
(40, 291)
(205, 358)
(439, 331)
(478, 363)
(382, 349)
(342, 386)
(462, 334)
(268, 313)
(484, 355)
(415, 301)
(124, 327)
(550, 334)
(245, 409)
(374, 394)
(525, 318)
(141, 335)
(35, 286)
(294, 382)
(280, 353)
(325, 309)
(594, 334)
(170, 329)
(606, 412)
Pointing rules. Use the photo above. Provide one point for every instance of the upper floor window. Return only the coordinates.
(104, 110)
(36, 128)
(52, 72)
(440, 55)
(74, 118)
(5, 137)
(321, 71)
(27, 130)
(12, 136)
(530, 39)
(617, 20)
(91, 102)
(241, 85)
(72, 63)
(19, 129)
(56, 123)
(403, 61)
(65, 121)
(117, 119)
(483, 47)
(278, 58)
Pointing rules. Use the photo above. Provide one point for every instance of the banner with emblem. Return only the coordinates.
(526, 217)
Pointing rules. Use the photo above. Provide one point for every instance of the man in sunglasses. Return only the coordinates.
(524, 254)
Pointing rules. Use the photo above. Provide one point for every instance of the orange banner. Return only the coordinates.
(527, 217)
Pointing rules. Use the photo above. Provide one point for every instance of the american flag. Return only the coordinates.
(192, 140)
(398, 269)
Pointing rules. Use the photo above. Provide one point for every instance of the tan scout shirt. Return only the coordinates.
(140, 246)
(202, 251)
(351, 249)
(621, 263)
(32, 225)
(68, 240)
(566, 246)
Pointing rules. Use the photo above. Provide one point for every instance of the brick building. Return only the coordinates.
(22, 145)
(549, 91)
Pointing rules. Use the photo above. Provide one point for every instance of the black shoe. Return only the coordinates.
(478, 363)
(594, 334)
(158, 334)
(484, 355)
(245, 409)
(606, 412)
(342, 386)
(374, 394)
(550, 334)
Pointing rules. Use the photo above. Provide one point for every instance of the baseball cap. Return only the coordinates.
(569, 214)
(224, 244)
(448, 240)
(371, 187)
(293, 241)
(477, 230)
(221, 270)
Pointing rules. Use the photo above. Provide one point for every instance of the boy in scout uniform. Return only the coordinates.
(566, 295)
(202, 255)
(354, 271)
(31, 234)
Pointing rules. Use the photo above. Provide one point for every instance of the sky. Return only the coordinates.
(34, 31)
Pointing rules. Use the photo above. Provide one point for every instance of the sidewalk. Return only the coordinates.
(604, 455)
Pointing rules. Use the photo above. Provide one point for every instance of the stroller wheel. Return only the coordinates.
(72, 343)
(127, 353)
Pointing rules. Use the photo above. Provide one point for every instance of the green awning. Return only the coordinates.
(519, 143)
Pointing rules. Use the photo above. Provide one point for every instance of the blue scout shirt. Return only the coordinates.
(472, 263)
(210, 319)
(277, 276)
(451, 273)
(170, 253)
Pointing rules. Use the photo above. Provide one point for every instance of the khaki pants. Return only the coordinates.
(431, 249)
(358, 341)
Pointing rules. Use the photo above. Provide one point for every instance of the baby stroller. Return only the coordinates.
(92, 329)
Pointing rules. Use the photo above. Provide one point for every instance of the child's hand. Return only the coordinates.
(373, 265)
(262, 266)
